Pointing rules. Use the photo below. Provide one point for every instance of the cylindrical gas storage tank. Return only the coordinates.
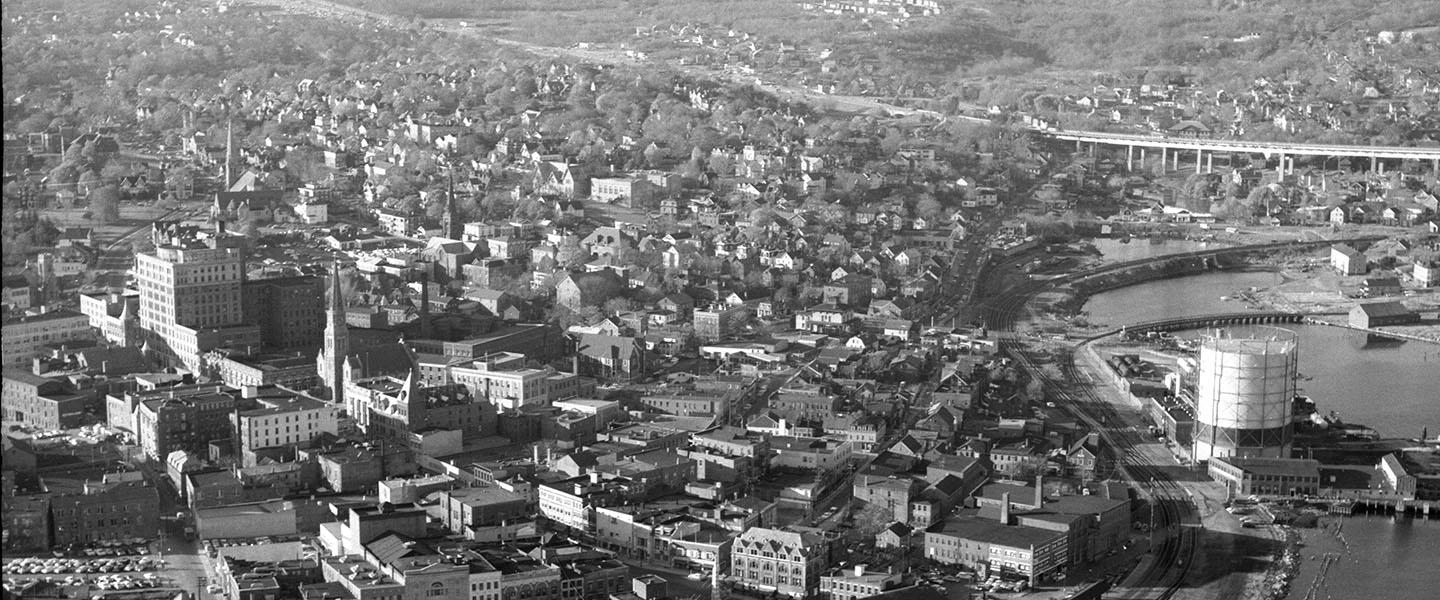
(1244, 392)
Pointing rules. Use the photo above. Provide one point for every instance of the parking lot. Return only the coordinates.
(106, 573)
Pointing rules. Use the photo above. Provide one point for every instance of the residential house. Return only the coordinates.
(1347, 260)
(576, 290)
(1426, 273)
(611, 357)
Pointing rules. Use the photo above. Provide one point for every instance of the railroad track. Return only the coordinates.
(1178, 517)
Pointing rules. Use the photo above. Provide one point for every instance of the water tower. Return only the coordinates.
(1243, 394)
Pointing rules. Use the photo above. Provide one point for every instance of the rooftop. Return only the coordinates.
(482, 496)
(273, 362)
(970, 527)
(285, 404)
(1275, 467)
(49, 315)
(1384, 309)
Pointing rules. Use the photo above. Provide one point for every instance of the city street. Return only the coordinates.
(186, 564)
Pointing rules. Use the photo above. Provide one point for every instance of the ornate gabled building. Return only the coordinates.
(782, 562)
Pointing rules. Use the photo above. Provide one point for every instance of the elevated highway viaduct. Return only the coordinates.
(1141, 148)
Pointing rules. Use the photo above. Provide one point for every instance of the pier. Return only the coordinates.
(1381, 503)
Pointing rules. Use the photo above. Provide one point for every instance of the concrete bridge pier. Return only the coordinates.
(1210, 162)
(1281, 170)
(1176, 154)
(1129, 158)
(1199, 154)
(1142, 159)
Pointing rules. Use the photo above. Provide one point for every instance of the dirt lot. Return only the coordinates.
(1319, 289)
(132, 217)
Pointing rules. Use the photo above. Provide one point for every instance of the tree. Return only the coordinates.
(105, 204)
(615, 306)
(142, 244)
(569, 254)
(928, 207)
(719, 163)
(248, 227)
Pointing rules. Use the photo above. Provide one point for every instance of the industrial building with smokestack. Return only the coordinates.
(1018, 530)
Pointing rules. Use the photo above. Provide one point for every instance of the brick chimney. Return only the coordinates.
(1005, 508)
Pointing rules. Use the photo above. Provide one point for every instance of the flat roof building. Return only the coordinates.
(993, 545)
(1266, 476)
(27, 335)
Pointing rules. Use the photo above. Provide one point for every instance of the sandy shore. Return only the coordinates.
(1318, 549)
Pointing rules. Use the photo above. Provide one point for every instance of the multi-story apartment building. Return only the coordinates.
(283, 418)
(821, 454)
(27, 335)
(782, 562)
(41, 402)
(112, 511)
(688, 403)
(26, 523)
(467, 509)
(17, 293)
(183, 419)
(592, 577)
(290, 312)
(289, 370)
(571, 502)
(520, 575)
(799, 402)
(863, 431)
(503, 380)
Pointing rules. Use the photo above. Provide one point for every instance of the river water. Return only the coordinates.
(1392, 386)
(1115, 250)
(1388, 558)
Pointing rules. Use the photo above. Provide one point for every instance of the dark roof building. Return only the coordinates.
(1379, 314)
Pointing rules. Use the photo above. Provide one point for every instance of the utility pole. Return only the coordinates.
(229, 151)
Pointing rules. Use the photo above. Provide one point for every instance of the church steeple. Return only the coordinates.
(337, 340)
(451, 226)
(229, 153)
